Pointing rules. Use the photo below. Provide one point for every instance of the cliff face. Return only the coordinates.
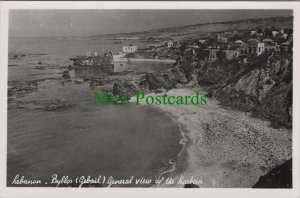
(263, 87)
(161, 81)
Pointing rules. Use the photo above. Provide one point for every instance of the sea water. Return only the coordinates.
(83, 140)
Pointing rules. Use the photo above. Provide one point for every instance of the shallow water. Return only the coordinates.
(45, 56)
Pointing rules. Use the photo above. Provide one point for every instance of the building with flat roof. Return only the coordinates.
(130, 48)
(255, 47)
(287, 46)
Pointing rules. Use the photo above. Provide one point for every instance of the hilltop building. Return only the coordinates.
(286, 46)
(235, 32)
(232, 53)
(255, 47)
(170, 43)
(202, 41)
(274, 33)
(291, 37)
(221, 38)
(270, 45)
(213, 54)
(240, 45)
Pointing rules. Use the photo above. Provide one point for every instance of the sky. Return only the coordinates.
(43, 23)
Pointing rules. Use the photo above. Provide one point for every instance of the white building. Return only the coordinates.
(282, 31)
(274, 33)
(240, 44)
(170, 43)
(130, 49)
(202, 41)
(255, 47)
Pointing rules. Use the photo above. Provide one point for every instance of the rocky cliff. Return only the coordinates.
(263, 86)
(279, 177)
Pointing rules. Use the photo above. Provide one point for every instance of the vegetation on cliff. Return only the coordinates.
(263, 86)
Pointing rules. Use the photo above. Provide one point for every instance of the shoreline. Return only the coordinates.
(179, 159)
(217, 153)
(122, 59)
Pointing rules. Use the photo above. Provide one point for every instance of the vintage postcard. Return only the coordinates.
(145, 99)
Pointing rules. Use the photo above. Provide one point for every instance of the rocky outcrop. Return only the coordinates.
(279, 177)
(263, 87)
(157, 82)
(153, 81)
(20, 88)
(172, 78)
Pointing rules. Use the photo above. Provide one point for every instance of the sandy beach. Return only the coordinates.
(225, 148)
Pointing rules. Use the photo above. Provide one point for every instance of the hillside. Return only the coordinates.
(196, 30)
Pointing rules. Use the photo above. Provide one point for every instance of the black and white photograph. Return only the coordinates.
(150, 98)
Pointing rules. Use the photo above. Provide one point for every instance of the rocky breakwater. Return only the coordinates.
(32, 95)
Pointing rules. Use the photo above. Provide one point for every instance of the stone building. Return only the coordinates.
(232, 53)
(255, 47)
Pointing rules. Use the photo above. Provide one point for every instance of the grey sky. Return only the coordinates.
(24, 23)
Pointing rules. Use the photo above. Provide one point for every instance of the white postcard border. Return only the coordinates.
(146, 192)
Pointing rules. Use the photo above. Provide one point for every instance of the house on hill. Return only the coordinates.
(282, 31)
(241, 45)
(255, 47)
(213, 54)
(232, 53)
(253, 32)
(274, 33)
(235, 32)
(270, 45)
(267, 40)
(170, 43)
(291, 37)
(286, 46)
(221, 38)
(202, 41)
